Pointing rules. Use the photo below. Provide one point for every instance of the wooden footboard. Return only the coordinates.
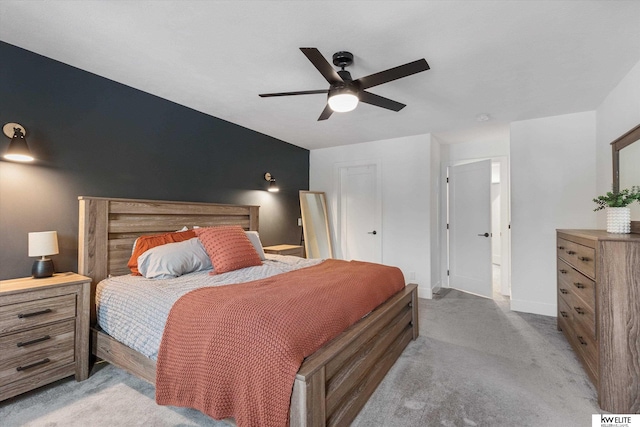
(335, 382)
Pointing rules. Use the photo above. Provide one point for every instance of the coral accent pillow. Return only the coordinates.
(144, 243)
(228, 247)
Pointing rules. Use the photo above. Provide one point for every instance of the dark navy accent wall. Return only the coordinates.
(96, 137)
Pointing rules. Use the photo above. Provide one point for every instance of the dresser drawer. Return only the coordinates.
(36, 350)
(585, 260)
(576, 311)
(565, 249)
(579, 284)
(579, 256)
(584, 317)
(587, 350)
(564, 311)
(28, 314)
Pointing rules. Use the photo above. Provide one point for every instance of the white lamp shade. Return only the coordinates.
(343, 102)
(43, 243)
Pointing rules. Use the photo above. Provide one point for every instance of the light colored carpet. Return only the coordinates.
(474, 364)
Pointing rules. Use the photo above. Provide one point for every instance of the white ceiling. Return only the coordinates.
(513, 60)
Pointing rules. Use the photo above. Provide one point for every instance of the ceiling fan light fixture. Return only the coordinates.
(343, 100)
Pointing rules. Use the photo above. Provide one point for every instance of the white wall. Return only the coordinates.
(618, 113)
(406, 198)
(483, 149)
(553, 176)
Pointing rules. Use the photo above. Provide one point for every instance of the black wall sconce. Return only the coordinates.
(18, 150)
(273, 187)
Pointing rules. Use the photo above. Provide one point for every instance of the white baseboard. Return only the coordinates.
(534, 307)
(425, 292)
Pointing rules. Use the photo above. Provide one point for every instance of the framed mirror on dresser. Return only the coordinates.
(626, 169)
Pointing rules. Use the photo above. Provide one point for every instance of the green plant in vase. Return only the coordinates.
(618, 211)
(621, 199)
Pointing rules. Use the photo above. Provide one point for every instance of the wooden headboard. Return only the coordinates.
(108, 227)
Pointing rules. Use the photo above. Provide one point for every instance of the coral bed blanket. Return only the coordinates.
(233, 351)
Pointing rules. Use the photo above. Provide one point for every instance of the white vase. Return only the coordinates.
(619, 220)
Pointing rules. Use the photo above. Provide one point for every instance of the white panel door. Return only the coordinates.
(470, 228)
(359, 210)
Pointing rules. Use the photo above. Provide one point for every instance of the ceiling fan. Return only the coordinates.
(344, 93)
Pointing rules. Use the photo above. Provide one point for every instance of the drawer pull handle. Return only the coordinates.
(579, 285)
(563, 291)
(561, 248)
(37, 340)
(571, 252)
(584, 258)
(33, 365)
(564, 314)
(35, 313)
(563, 271)
(582, 341)
(579, 310)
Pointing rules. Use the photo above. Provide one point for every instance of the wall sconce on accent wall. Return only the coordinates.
(273, 187)
(18, 150)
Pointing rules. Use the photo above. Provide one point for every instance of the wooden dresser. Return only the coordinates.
(599, 311)
(44, 331)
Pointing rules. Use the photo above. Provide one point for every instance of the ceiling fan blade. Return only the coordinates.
(326, 113)
(380, 101)
(321, 64)
(302, 92)
(393, 74)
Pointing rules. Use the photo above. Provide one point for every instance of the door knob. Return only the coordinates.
(485, 235)
(372, 232)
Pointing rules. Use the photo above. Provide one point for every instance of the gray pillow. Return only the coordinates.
(174, 259)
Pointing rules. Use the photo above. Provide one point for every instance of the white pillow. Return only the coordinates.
(174, 259)
(254, 237)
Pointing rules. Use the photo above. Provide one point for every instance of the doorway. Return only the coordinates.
(359, 199)
(471, 259)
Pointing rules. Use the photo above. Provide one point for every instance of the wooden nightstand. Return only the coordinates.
(294, 250)
(44, 331)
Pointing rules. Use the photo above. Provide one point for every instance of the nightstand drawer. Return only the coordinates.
(37, 350)
(28, 314)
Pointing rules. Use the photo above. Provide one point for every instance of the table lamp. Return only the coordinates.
(43, 244)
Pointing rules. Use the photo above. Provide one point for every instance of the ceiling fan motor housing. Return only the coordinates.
(342, 59)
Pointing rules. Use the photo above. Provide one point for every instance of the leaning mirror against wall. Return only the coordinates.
(626, 169)
(315, 224)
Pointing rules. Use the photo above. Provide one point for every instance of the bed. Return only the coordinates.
(332, 384)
